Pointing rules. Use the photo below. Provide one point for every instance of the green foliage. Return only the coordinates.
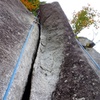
(33, 5)
(43, 2)
(82, 19)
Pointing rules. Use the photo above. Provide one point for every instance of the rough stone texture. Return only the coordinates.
(94, 54)
(91, 51)
(84, 41)
(15, 22)
(50, 55)
(59, 49)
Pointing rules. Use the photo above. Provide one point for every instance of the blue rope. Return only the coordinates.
(88, 55)
(17, 64)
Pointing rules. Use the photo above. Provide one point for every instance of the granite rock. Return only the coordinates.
(61, 71)
(15, 22)
(93, 53)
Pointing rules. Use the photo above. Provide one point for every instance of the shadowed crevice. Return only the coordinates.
(27, 91)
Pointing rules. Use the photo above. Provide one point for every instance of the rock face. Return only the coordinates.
(91, 51)
(15, 23)
(59, 52)
(94, 54)
(50, 53)
(61, 70)
(84, 41)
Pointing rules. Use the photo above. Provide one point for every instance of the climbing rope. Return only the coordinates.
(18, 62)
(88, 55)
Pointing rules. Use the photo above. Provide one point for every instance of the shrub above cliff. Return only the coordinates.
(31, 5)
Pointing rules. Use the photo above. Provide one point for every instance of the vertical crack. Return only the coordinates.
(26, 94)
(27, 91)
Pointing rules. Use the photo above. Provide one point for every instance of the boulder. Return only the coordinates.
(86, 42)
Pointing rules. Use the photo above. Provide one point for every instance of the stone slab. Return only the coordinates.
(61, 71)
(15, 22)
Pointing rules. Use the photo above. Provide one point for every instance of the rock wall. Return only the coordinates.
(15, 23)
(50, 52)
(93, 53)
(61, 71)
(60, 68)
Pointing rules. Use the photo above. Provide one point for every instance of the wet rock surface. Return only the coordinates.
(15, 22)
(77, 79)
